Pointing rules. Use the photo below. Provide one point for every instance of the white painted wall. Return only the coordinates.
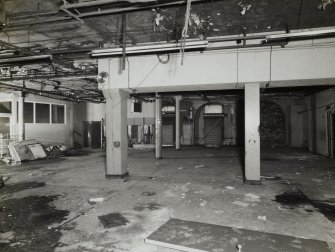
(147, 116)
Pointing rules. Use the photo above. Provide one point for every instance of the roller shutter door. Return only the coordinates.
(168, 130)
(213, 131)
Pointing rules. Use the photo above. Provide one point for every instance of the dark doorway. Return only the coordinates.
(92, 134)
(168, 129)
(272, 126)
(331, 134)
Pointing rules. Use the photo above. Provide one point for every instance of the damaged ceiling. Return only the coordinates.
(45, 45)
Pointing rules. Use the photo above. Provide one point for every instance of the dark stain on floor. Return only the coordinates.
(30, 219)
(17, 187)
(328, 210)
(292, 198)
(150, 206)
(297, 198)
(113, 220)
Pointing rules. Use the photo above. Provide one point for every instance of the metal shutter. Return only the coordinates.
(213, 131)
(168, 130)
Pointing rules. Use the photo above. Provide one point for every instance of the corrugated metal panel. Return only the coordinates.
(213, 131)
(168, 130)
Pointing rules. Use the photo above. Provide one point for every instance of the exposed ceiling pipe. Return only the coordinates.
(16, 48)
(26, 59)
(70, 76)
(168, 47)
(37, 92)
(304, 34)
(100, 2)
(145, 5)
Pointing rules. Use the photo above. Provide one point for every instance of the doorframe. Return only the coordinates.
(11, 125)
(330, 135)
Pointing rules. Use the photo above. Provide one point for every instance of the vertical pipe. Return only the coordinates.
(124, 18)
(158, 142)
(178, 98)
(21, 119)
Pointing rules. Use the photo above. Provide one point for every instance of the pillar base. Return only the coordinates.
(117, 176)
(252, 182)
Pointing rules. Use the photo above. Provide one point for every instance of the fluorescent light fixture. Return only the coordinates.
(301, 34)
(168, 47)
(25, 59)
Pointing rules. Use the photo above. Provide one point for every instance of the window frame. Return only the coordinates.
(50, 112)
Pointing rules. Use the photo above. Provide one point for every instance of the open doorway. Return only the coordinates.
(331, 134)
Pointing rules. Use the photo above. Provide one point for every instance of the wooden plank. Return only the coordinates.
(194, 236)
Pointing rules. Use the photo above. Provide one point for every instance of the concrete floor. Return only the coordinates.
(45, 204)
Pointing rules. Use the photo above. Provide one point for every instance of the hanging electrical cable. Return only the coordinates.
(185, 30)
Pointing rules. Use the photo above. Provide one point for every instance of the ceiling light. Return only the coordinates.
(167, 47)
(300, 34)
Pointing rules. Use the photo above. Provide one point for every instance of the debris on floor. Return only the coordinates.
(240, 203)
(199, 166)
(251, 197)
(196, 236)
(113, 220)
(230, 187)
(6, 237)
(148, 193)
(95, 200)
(263, 218)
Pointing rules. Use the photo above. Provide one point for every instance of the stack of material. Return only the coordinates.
(26, 150)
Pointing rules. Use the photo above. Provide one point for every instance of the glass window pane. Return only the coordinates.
(58, 113)
(4, 125)
(42, 113)
(5, 107)
(28, 112)
(137, 107)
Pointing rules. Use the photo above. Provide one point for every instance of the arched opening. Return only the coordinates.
(272, 126)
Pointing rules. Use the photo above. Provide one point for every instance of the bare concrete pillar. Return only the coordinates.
(178, 99)
(21, 119)
(158, 127)
(252, 137)
(116, 133)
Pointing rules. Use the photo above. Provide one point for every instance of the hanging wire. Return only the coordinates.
(185, 30)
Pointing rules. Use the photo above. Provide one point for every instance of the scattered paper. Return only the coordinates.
(240, 203)
(251, 196)
(199, 166)
(263, 218)
(96, 200)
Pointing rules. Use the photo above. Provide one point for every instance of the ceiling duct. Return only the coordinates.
(149, 49)
(25, 60)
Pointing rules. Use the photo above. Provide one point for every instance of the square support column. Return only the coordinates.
(251, 136)
(178, 99)
(116, 133)
(158, 127)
